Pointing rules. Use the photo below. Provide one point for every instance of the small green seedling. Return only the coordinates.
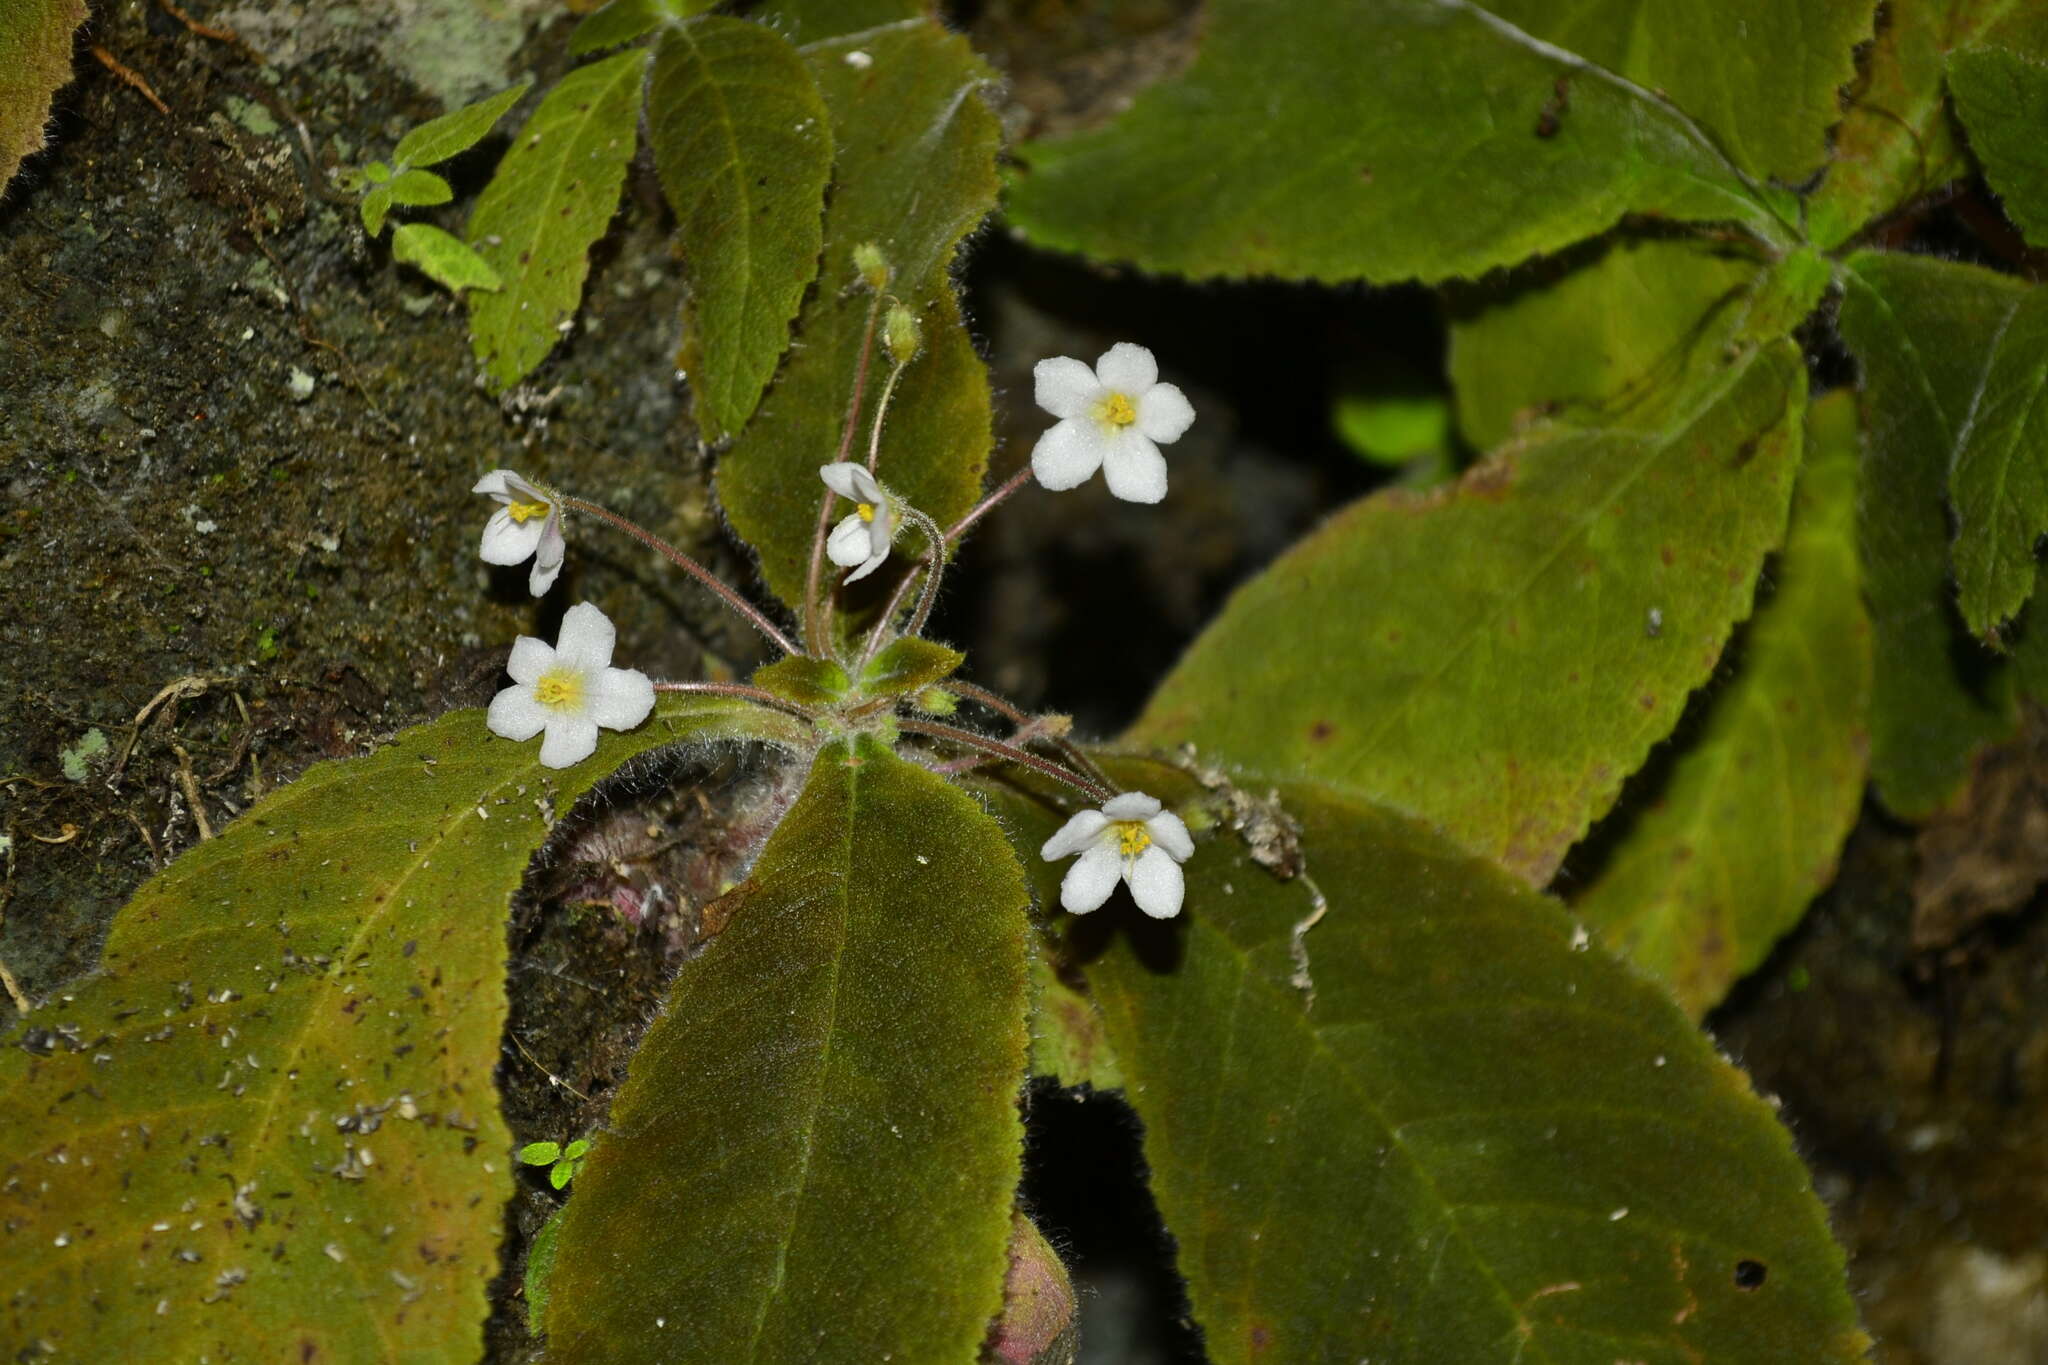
(400, 183)
(564, 1160)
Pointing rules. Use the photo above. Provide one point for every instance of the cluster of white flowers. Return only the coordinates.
(1113, 416)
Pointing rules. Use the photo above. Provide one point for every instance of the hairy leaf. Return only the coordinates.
(266, 1129)
(552, 197)
(443, 257)
(1496, 666)
(624, 20)
(2001, 92)
(1924, 332)
(1608, 342)
(35, 62)
(916, 172)
(744, 147)
(1389, 139)
(906, 664)
(451, 134)
(814, 1154)
(811, 21)
(1896, 141)
(1398, 1110)
(1746, 829)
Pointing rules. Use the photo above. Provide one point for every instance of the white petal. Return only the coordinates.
(516, 715)
(530, 658)
(1164, 413)
(547, 556)
(1134, 468)
(1169, 832)
(1131, 806)
(494, 483)
(1156, 883)
(839, 478)
(1090, 880)
(1068, 454)
(849, 543)
(874, 562)
(1064, 386)
(586, 639)
(1074, 835)
(1127, 368)
(507, 541)
(570, 740)
(620, 698)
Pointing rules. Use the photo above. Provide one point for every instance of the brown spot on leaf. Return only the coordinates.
(1320, 732)
(1665, 553)
(1648, 701)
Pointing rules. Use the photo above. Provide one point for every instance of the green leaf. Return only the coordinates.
(540, 1153)
(812, 21)
(1609, 342)
(419, 189)
(624, 20)
(269, 1120)
(576, 1149)
(1434, 1125)
(2001, 91)
(907, 664)
(1390, 139)
(540, 1264)
(438, 139)
(817, 1144)
(551, 199)
(1392, 427)
(1923, 331)
(1747, 827)
(377, 172)
(805, 681)
(1492, 668)
(375, 207)
(743, 145)
(916, 173)
(35, 62)
(443, 257)
(1068, 1044)
(1896, 141)
(559, 1176)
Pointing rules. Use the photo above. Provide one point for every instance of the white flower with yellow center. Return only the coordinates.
(864, 537)
(529, 523)
(570, 689)
(1131, 838)
(1113, 418)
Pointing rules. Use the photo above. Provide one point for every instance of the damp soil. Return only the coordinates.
(236, 538)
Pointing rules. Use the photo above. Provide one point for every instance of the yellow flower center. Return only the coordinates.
(1115, 410)
(1132, 838)
(561, 687)
(523, 512)
(866, 511)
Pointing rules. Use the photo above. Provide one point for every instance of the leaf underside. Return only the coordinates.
(266, 1129)
(814, 1154)
(1483, 1142)
(1496, 668)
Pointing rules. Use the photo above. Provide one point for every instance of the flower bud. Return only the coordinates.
(901, 334)
(872, 265)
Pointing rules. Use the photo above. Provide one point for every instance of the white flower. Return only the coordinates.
(862, 538)
(570, 689)
(529, 523)
(1132, 838)
(1114, 417)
